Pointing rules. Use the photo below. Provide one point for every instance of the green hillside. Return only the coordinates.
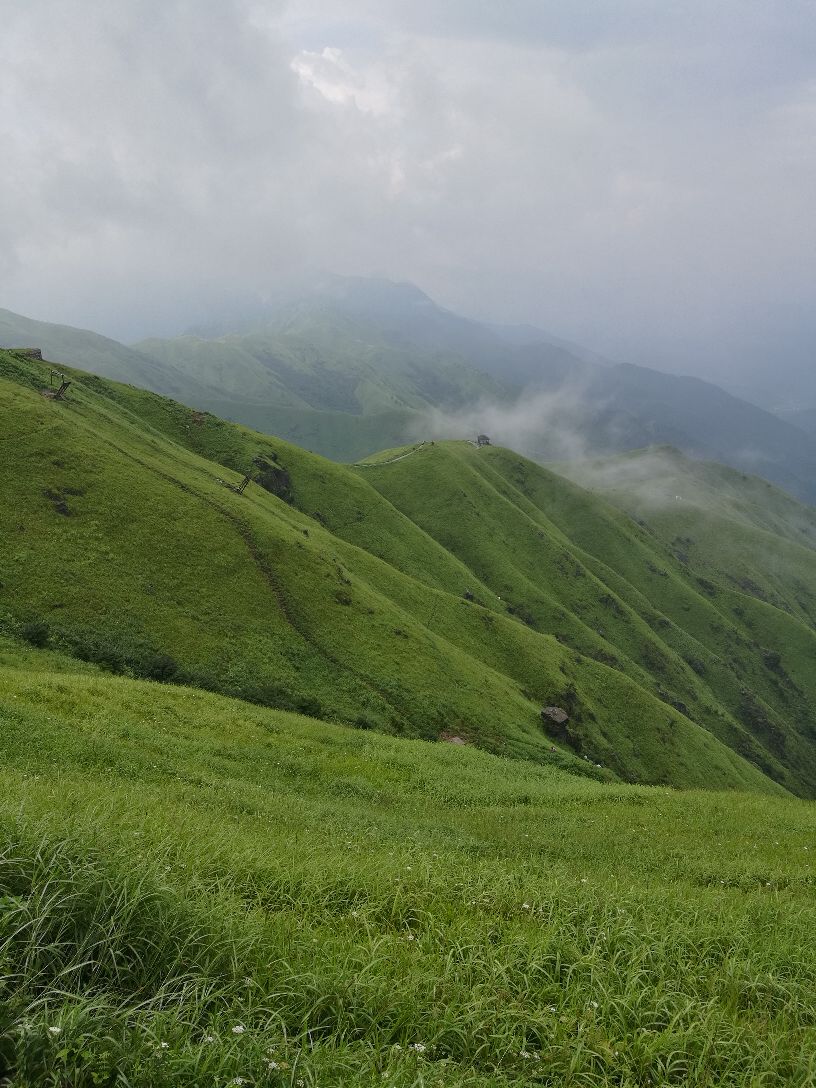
(346, 366)
(606, 586)
(453, 592)
(100, 354)
(325, 379)
(194, 891)
(719, 523)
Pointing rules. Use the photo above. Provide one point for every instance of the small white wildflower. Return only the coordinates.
(525, 906)
(397, 1046)
(420, 1048)
(583, 880)
(524, 1054)
(355, 914)
(272, 1065)
(238, 1080)
(54, 1031)
(594, 1004)
(551, 1008)
(408, 867)
(410, 937)
(209, 1038)
(239, 1029)
(164, 1046)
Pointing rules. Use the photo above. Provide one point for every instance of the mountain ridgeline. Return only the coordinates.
(348, 366)
(441, 592)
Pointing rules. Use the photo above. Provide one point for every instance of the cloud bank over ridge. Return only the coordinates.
(632, 176)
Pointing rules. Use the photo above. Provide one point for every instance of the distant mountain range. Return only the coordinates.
(351, 365)
(804, 418)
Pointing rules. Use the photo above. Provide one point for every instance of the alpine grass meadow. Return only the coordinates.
(202, 892)
(279, 806)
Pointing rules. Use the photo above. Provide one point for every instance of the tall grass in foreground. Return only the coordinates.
(115, 975)
(196, 892)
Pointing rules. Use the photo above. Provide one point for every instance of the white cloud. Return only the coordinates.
(332, 76)
(639, 176)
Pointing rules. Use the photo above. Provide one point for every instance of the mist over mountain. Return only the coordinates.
(350, 365)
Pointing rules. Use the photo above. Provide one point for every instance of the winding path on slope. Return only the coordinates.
(391, 460)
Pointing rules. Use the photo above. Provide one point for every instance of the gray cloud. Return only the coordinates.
(544, 425)
(635, 176)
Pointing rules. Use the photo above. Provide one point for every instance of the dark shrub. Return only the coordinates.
(161, 667)
(35, 633)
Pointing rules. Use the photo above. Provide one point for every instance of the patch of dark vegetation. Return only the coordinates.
(654, 660)
(58, 501)
(274, 478)
(754, 717)
(521, 612)
(773, 661)
(35, 633)
(612, 603)
(707, 587)
(749, 586)
(672, 700)
(696, 665)
(161, 667)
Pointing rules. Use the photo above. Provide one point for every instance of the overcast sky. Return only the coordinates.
(636, 175)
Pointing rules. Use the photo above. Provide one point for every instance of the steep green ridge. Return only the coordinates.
(453, 591)
(719, 523)
(194, 891)
(347, 366)
(89, 350)
(566, 564)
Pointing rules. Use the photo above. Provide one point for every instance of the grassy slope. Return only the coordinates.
(718, 521)
(367, 911)
(340, 604)
(81, 347)
(323, 379)
(568, 564)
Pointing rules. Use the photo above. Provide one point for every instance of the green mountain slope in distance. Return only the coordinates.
(346, 366)
(450, 592)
